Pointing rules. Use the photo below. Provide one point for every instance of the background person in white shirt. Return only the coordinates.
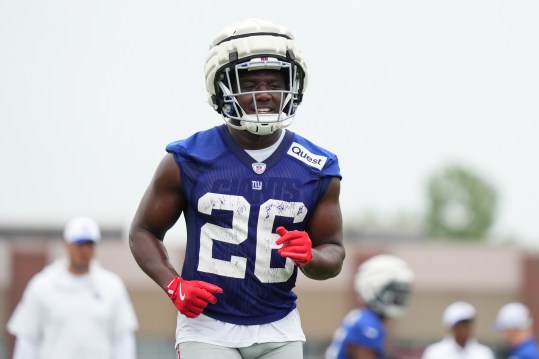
(459, 343)
(74, 308)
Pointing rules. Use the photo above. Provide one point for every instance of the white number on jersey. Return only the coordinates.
(265, 238)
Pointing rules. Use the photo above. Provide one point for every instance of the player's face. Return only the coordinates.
(262, 80)
(80, 256)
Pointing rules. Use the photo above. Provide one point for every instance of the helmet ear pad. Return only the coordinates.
(222, 87)
(227, 78)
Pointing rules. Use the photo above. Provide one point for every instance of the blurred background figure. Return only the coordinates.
(74, 308)
(459, 343)
(384, 285)
(515, 324)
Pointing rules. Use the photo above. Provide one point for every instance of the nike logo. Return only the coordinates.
(182, 296)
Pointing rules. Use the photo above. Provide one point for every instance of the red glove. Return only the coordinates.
(296, 246)
(191, 297)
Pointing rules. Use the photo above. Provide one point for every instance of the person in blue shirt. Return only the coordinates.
(260, 203)
(516, 326)
(384, 285)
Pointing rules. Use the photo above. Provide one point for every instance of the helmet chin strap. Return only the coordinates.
(260, 128)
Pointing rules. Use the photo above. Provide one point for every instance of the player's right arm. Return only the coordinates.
(158, 211)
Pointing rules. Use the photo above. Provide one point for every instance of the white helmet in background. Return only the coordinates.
(250, 45)
(384, 283)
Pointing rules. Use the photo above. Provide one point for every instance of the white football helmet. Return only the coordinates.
(250, 45)
(384, 282)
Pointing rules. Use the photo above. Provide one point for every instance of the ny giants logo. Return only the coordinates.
(257, 185)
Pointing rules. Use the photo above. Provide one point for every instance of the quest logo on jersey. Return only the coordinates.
(302, 154)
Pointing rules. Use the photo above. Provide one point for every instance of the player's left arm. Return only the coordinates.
(325, 230)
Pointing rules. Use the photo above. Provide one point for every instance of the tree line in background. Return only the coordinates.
(462, 204)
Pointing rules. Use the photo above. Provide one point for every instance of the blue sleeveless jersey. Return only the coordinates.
(234, 205)
(361, 327)
(525, 350)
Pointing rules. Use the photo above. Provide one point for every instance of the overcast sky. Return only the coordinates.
(92, 91)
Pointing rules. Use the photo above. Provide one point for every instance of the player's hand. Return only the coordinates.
(191, 297)
(296, 246)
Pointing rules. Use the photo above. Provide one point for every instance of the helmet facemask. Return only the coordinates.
(384, 282)
(393, 300)
(228, 90)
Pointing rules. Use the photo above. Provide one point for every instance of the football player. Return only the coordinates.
(515, 323)
(260, 203)
(384, 285)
